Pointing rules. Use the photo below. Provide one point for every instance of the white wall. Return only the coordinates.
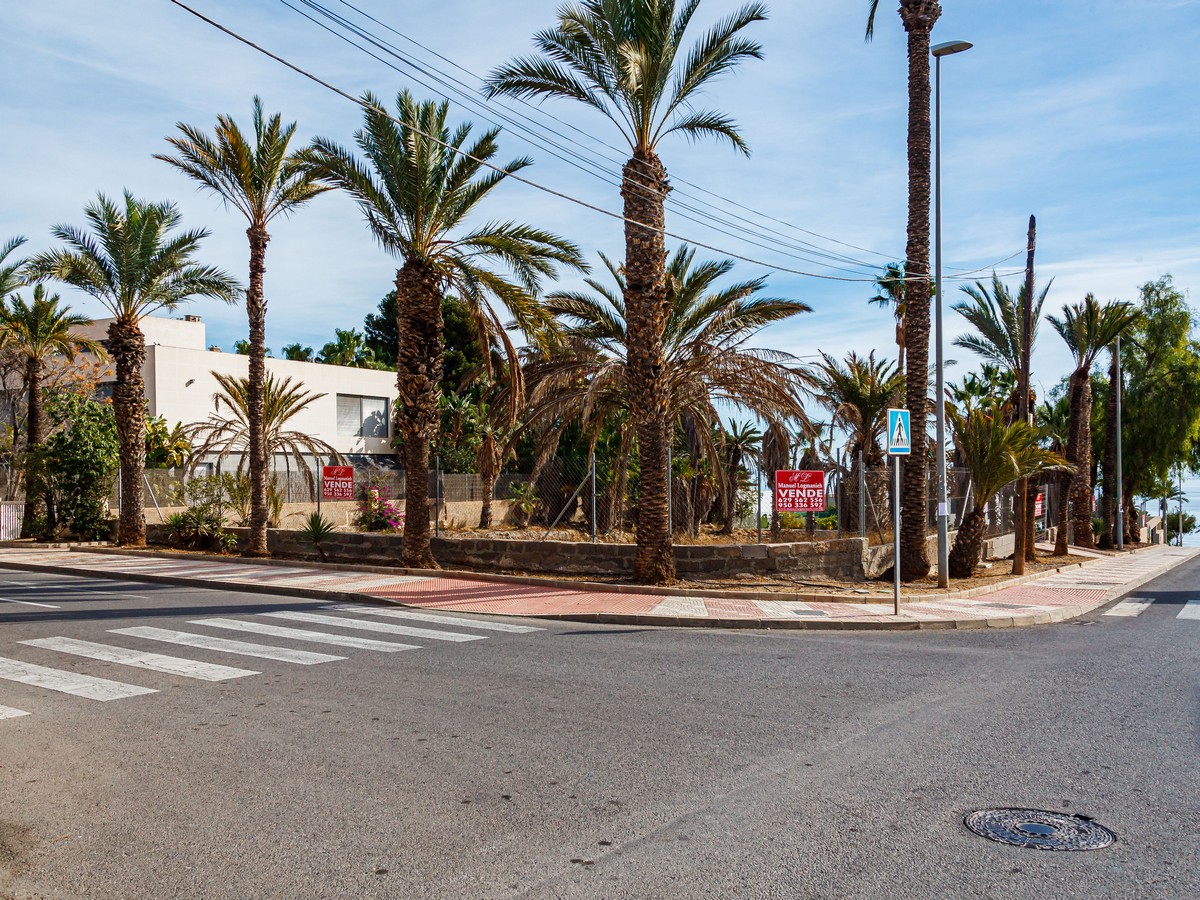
(180, 385)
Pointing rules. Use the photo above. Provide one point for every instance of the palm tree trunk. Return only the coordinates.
(968, 545)
(919, 17)
(35, 433)
(1030, 522)
(644, 189)
(418, 379)
(256, 312)
(1081, 489)
(488, 468)
(127, 346)
(731, 486)
(1062, 516)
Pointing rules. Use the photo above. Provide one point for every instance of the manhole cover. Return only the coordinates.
(1037, 829)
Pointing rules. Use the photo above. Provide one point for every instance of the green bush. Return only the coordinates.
(80, 460)
(202, 525)
(316, 530)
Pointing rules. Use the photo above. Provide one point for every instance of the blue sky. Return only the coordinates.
(1083, 113)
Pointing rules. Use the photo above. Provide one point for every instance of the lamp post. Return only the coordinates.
(943, 511)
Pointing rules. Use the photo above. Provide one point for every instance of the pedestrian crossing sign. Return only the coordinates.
(899, 434)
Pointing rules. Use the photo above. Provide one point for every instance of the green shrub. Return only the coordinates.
(316, 530)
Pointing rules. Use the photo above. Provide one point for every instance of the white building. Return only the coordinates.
(353, 416)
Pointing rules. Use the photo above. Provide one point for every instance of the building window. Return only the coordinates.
(362, 416)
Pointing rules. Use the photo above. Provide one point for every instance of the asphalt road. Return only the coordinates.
(589, 761)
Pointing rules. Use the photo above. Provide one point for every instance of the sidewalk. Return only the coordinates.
(1051, 598)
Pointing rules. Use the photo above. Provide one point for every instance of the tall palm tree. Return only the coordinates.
(919, 17)
(227, 430)
(859, 393)
(348, 348)
(706, 358)
(996, 453)
(417, 185)
(625, 59)
(999, 325)
(10, 272)
(261, 180)
(1086, 328)
(38, 330)
(134, 266)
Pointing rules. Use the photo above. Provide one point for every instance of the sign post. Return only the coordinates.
(899, 444)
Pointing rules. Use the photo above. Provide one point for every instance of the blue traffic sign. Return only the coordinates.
(899, 435)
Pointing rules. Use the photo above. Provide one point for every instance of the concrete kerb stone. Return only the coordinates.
(600, 586)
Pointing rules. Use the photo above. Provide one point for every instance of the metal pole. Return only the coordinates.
(758, 503)
(840, 506)
(1181, 504)
(862, 496)
(896, 536)
(1120, 486)
(670, 497)
(437, 496)
(943, 540)
(593, 495)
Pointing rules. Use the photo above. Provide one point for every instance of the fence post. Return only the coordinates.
(593, 495)
(758, 503)
(838, 500)
(862, 496)
(437, 495)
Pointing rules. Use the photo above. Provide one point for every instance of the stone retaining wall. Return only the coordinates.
(834, 559)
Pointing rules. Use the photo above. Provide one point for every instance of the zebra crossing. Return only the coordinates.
(1135, 606)
(327, 627)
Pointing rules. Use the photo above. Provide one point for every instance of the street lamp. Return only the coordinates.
(943, 510)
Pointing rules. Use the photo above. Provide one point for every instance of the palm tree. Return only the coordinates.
(1087, 328)
(261, 180)
(919, 17)
(706, 360)
(38, 330)
(297, 352)
(996, 453)
(624, 59)
(495, 420)
(740, 443)
(132, 264)
(999, 324)
(10, 273)
(891, 296)
(416, 187)
(349, 348)
(227, 429)
(859, 394)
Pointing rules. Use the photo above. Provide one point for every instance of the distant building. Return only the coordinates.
(353, 416)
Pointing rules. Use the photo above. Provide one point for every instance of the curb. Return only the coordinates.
(765, 624)
(600, 586)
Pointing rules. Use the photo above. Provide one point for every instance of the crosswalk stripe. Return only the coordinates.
(157, 662)
(434, 619)
(1191, 611)
(299, 634)
(69, 682)
(225, 645)
(7, 712)
(363, 625)
(1134, 606)
(28, 603)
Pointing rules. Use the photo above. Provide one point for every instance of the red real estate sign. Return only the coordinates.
(800, 491)
(1038, 506)
(337, 482)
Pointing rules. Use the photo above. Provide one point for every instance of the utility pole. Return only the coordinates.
(1120, 487)
(1021, 507)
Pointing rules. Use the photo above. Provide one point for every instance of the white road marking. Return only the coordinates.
(28, 603)
(69, 682)
(224, 645)
(298, 634)
(7, 712)
(1191, 611)
(172, 665)
(434, 619)
(1134, 606)
(363, 625)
